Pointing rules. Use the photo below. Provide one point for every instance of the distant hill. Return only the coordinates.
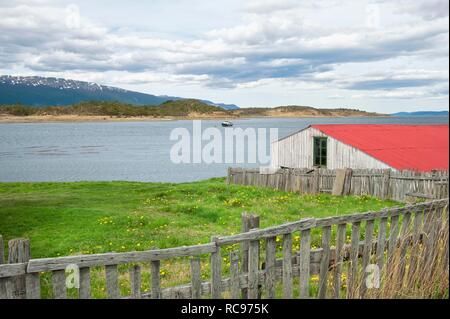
(178, 108)
(41, 91)
(422, 113)
(183, 108)
(301, 111)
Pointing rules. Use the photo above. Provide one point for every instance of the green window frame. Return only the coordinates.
(320, 151)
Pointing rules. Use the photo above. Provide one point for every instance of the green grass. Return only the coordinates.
(95, 217)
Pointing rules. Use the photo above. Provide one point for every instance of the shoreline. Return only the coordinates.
(10, 119)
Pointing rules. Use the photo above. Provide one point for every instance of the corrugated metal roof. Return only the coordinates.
(403, 147)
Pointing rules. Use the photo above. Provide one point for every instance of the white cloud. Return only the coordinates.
(290, 43)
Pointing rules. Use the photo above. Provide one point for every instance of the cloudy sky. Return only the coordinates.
(376, 55)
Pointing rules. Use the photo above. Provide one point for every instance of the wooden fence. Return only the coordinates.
(386, 184)
(267, 265)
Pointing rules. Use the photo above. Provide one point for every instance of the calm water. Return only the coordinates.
(138, 151)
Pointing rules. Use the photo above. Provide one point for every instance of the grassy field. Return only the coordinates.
(94, 217)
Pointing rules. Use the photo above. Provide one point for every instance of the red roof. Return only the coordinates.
(403, 147)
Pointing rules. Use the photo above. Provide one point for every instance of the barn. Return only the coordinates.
(420, 148)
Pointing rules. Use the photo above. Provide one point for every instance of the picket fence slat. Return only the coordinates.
(271, 246)
(135, 281)
(325, 262)
(287, 266)
(112, 281)
(196, 278)
(381, 243)
(85, 283)
(59, 284)
(354, 253)
(216, 272)
(253, 269)
(339, 259)
(156, 279)
(304, 263)
(234, 275)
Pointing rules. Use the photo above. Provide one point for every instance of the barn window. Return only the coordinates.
(320, 151)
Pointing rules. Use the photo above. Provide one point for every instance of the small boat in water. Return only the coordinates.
(227, 124)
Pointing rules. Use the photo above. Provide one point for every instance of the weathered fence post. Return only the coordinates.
(156, 279)
(249, 221)
(253, 269)
(19, 252)
(196, 278)
(229, 176)
(385, 184)
(216, 272)
(2, 250)
(234, 275)
(342, 182)
(2, 282)
(316, 182)
(348, 182)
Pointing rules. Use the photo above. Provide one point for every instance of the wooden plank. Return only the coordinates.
(385, 184)
(7, 286)
(135, 282)
(431, 232)
(367, 253)
(112, 282)
(156, 279)
(12, 270)
(244, 245)
(324, 262)
(216, 273)
(50, 264)
(249, 221)
(270, 267)
(2, 250)
(85, 283)
(405, 235)
(393, 237)
(381, 243)
(2, 260)
(346, 189)
(340, 241)
(19, 252)
(33, 286)
(196, 278)
(305, 252)
(354, 252)
(339, 181)
(234, 275)
(59, 284)
(268, 232)
(253, 269)
(315, 186)
(358, 217)
(287, 266)
(3, 288)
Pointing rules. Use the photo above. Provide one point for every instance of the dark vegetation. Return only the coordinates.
(177, 108)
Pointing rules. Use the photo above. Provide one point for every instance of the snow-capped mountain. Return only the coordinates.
(41, 91)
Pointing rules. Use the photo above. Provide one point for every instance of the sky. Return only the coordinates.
(375, 55)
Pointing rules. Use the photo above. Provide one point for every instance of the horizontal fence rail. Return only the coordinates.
(386, 184)
(278, 261)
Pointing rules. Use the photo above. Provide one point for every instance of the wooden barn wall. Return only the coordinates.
(296, 151)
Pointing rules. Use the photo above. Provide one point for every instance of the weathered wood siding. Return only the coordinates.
(297, 151)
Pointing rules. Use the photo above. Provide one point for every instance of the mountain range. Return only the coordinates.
(39, 91)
